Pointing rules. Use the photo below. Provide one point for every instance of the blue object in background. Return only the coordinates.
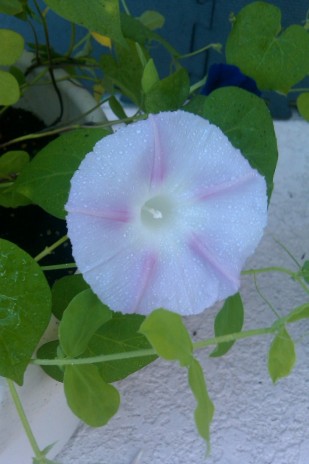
(225, 75)
(189, 25)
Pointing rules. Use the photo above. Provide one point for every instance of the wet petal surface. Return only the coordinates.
(164, 213)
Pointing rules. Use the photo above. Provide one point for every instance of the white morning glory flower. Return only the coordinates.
(164, 213)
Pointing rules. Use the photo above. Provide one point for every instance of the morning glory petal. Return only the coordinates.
(164, 213)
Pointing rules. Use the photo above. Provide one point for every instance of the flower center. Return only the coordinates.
(157, 212)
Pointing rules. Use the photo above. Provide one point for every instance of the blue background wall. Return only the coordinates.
(189, 25)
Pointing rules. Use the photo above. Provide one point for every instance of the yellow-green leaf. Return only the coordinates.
(90, 398)
(281, 357)
(12, 46)
(301, 312)
(205, 409)
(168, 335)
(303, 105)
(9, 89)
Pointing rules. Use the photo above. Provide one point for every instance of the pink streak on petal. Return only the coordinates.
(147, 273)
(111, 215)
(157, 171)
(199, 247)
(225, 186)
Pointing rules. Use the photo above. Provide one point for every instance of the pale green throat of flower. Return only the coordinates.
(157, 212)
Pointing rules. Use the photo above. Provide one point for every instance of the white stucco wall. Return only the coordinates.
(255, 422)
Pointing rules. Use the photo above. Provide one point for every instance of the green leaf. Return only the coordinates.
(12, 46)
(9, 89)
(81, 319)
(247, 124)
(229, 320)
(101, 16)
(168, 335)
(11, 7)
(11, 199)
(276, 60)
(301, 312)
(205, 409)
(133, 29)
(46, 180)
(125, 71)
(119, 335)
(303, 105)
(116, 108)
(64, 290)
(152, 19)
(90, 398)
(24, 311)
(12, 162)
(50, 350)
(168, 94)
(150, 76)
(281, 357)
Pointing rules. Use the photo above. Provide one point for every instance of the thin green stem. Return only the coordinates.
(233, 337)
(198, 85)
(94, 359)
(51, 248)
(23, 418)
(67, 128)
(287, 252)
(151, 352)
(269, 269)
(304, 89)
(125, 7)
(58, 267)
(293, 275)
(302, 284)
(266, 301)
(80, 42)
(72, 40)
(215, 46)
(50, 63)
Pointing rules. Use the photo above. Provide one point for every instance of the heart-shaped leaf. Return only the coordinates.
(9, 89)
(247, 124)
(276, 59)
(12, 46)
(101, 16)
(81, 319)
(46, 180)
(168, 335)
(229, 320)
(25, 308)
(281, 356)
(90, 398)
(119, 335)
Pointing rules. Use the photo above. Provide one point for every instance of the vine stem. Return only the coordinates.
(67, 128)
(150, 351)
(51, 248)
(57, 267)
(25, 423)
(269, 269)
(293, 275)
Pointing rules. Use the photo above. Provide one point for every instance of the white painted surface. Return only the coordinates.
(255, 422)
